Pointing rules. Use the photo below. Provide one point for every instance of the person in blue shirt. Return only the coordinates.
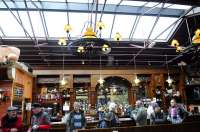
(76, 118)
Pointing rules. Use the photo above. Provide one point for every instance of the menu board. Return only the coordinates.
(18, 93)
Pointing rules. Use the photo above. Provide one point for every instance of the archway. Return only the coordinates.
(114, 89)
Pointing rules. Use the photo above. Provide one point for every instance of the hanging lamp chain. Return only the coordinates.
(167, 65)
(63, 64)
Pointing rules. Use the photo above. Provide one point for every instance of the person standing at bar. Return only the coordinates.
(139, 114)
(176, 113)
(76, 118)
(11, 122)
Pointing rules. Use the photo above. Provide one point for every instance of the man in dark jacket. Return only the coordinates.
(39, 119)
(11, 122)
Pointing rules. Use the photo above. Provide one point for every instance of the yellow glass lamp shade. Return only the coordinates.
(118, 37)
(196, 38)
(89, 33)
(174, 43)
(179, 49)
(80, 49)
(106, 49)
(100, 25)
(67, 28)
(62, 41)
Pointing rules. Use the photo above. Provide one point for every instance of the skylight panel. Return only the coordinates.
(25, 21)
(113, 2)
(78, 22)
(1, 34)
(123, 25)
(132, 3)
(51, 0)
(37, 23)
(163, 23)
(144, 27)
(176, 6)
(194, 10)
(55, 23)
(10, 25)
(107, 19)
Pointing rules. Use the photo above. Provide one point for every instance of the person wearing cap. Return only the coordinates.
(11, 122)
(40, 119)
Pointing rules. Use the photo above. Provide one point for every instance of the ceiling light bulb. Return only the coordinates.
(117, 37)
(137, 81)
(63, 82)
(179, 49)
(83, 62)
(100, 25)
(196, 37)
(197, 33)
(114, 90)
(174, 43)
(106, 49)
(67, 28)
(101, 81)
(80, 49)
(62, 41)
(169, 80)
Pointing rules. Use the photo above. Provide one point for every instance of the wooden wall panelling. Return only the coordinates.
(181, 86)
(4, 104)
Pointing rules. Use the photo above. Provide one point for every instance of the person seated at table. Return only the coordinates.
(40, 120)
(11, 122)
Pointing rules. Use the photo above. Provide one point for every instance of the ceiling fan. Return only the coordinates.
(147, 44)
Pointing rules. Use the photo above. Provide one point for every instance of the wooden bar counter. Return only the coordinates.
(60, 127)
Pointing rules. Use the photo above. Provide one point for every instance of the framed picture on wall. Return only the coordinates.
(17, 97)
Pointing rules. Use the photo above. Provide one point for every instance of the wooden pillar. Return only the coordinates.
(181, 86)
(92, 98)
(132, 95)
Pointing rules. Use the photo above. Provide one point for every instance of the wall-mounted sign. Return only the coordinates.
(48, 80)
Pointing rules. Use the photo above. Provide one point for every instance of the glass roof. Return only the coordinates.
(47, 22)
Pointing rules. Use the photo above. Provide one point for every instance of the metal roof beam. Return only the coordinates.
(83, 7)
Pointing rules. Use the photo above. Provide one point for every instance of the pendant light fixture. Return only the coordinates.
(136, 81)
(101, 80)
(169, 80)
(63, 81)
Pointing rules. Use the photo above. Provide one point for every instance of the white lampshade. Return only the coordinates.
(137, 81)
(12, 57)
(169, 80)
(2, 59)
(101, 81)
(9, 52)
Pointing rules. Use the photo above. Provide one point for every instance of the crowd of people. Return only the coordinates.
(40, 120)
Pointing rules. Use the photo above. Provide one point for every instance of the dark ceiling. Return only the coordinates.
(50, 54)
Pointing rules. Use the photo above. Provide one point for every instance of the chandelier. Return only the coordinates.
(91, 43)
(9, 54)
